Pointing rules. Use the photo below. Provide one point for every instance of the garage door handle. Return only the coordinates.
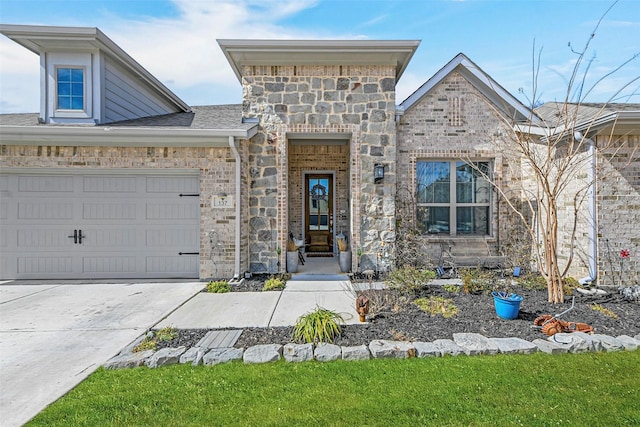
(74, 237)
(80, 236)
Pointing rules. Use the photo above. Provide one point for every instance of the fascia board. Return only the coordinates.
(121, 136)
(241, 52)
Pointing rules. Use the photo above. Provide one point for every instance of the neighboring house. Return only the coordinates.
(117, 177)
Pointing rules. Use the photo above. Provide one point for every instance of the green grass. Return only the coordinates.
(583, 389)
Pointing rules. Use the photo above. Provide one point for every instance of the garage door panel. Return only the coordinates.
(187, 184)
(171, 265)
(36, 239)
(112, 184)
(132, 226)
(45, 210)
(108, 264)
(183, 238)
(109, 211)
(46, 183)
(45, 266)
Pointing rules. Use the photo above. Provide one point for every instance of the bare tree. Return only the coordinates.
(553, 154)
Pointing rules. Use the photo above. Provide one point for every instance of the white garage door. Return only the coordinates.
(83, 226)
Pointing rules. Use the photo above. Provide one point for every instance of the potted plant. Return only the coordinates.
(507, 304)
(292, 257)
(344, 255)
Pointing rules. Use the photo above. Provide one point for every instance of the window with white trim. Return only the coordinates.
(70, 89)
(453, 197)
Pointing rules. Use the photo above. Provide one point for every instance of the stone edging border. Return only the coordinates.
(470, 344)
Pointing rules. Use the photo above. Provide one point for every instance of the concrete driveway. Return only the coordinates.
(52, 335)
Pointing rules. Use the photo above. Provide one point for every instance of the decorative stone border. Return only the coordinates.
(463, 343)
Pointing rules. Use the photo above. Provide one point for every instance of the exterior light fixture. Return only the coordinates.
(378, 172)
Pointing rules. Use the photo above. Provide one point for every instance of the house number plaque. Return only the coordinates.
(221, 202)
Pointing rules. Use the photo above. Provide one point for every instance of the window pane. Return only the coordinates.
(64, 103)
(471, 186)
(77, 103)
(64, 74)
(77, 89)
(433, 182)
(64, 89)
(434, 220)
(77, 75)
(472, 220)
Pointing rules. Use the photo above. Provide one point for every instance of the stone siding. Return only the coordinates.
(217, 175)
(356, 100)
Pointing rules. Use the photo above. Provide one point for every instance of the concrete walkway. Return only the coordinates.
(302, 294)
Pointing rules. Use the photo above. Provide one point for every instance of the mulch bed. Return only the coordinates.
(476, 313)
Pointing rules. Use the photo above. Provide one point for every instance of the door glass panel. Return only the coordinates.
(319, 196)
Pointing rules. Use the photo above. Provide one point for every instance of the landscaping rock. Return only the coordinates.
(550, 347)
(391, 349)
(193, 355)
(448, 347)
(222, 355)
(609, 343)
(298, 352)
(165, 356)
(513, 345)
(325, 352)
(263, 353)
(426, 349)
(572, 342)
(128, 360)
(358, 352)
(630, 344)
(474, 344)
(594, 343)
(637, 337)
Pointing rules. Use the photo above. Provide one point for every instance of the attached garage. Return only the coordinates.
(83, 225)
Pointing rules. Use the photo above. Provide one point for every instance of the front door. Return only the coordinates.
(319, 212)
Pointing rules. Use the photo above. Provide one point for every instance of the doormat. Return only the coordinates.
(318, 255)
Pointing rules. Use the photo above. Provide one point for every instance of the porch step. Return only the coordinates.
(220, 339)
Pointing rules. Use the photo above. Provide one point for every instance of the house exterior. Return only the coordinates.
(116, 177)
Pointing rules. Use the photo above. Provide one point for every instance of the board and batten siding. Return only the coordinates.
(126, 99)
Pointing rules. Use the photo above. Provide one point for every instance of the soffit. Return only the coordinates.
(241, 53)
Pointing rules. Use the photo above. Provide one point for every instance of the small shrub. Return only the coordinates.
(320, 325)
(437, 305)
(273, 284)
(454, 289)
(409, 279)
(147, 344)
(475, 281)
(219, 287)
(605, 311)
(166, 334)
(533, 281)
(568, 285)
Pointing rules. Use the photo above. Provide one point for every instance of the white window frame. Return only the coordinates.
(84, 89)
(453, 204)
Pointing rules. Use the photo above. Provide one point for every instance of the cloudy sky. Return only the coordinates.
(176, 40)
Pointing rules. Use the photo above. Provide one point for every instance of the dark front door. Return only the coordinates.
(319, 212)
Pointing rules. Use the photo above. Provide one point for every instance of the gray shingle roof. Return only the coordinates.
(552, 112)
(216, 117)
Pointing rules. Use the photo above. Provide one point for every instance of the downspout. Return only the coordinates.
(591, 211)
(232, 145)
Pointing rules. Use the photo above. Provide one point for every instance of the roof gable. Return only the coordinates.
(495, 93)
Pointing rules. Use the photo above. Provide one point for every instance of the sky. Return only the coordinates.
(175, 40)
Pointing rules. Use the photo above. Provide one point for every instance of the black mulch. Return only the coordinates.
(476, 313)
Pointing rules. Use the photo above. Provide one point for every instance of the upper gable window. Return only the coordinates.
(70, 88)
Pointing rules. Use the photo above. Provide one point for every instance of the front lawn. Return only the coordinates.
(572, 389)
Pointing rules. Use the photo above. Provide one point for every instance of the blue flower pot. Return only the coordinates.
(507, 305)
